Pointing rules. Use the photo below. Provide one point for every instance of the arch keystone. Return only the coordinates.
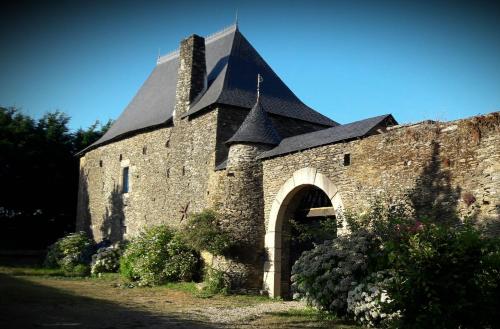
(305, 176)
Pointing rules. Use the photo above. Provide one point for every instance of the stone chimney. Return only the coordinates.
(192, 74)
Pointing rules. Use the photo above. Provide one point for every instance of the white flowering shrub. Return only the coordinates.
(106, 260)
(72, 253)
(324, 275)
(369, 303)
(157, 256)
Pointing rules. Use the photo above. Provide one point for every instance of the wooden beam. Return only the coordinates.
(319, 212)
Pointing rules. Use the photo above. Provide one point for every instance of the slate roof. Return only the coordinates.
(332, 135)
(221, 166)
(232, 65)
(256, 128)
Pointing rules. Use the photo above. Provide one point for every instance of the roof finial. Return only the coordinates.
(159, 52)
(236, 18)
(259, 80)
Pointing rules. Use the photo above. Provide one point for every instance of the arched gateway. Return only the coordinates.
(306, 178)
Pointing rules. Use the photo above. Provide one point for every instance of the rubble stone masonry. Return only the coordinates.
(453, 165)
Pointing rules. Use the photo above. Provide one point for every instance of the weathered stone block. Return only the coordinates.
(304, 176)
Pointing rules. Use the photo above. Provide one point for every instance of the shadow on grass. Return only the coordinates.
(307, 318)
(24, 304)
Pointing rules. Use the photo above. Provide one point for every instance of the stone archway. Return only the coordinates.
(272, 242)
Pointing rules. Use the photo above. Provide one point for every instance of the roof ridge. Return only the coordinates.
(209, 38)
(216, 35)
(167, 57)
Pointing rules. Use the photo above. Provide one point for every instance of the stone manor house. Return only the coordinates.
(196, 136)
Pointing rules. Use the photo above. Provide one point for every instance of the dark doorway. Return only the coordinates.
(309, 220)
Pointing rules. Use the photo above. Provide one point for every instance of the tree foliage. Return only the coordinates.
(39, 175)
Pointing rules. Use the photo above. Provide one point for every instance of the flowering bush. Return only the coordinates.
(324, 275)
(157, 256)
(106, 260)
(72, 253)
(445, 273)
(369, 301)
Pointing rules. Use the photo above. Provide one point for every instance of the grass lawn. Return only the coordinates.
(42, 298)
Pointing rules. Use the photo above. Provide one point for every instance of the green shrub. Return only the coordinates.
(216, 281)
(79, 270)
(71, 253)
(157, 256)
(324, 275)
(203, 232)
(182, 263)
(446, 277)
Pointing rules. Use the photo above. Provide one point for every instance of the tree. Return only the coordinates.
(39, 175)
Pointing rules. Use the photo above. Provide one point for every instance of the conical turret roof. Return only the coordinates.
(257, 128)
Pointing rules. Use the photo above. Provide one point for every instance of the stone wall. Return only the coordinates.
(170, 170)
(454, 165)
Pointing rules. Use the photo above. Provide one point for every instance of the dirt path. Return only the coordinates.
(43, 302)
(245, 314)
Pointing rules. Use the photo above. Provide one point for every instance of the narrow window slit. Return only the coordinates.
(347, 159)
(125, 180)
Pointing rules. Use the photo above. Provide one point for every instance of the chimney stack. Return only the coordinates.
(192, 74)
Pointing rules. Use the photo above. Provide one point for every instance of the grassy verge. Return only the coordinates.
(30, 271)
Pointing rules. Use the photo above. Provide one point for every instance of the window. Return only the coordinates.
(125, 182)
(347, 159)
(144, 150)
(183, 171)
(121, 157)
(100, 163)
(168, 173)
(167, 144)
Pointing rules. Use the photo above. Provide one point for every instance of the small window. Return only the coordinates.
(100, 163)
(121, 157)
(168, 173)
(183, 171)
(167, 144)
(125, 182)
(144, 150)
(347, 159)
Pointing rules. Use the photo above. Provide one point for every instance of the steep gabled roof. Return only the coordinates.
(332, 135)
(256, 128)
(232, 65)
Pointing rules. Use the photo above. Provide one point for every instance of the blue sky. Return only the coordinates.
(347, 59)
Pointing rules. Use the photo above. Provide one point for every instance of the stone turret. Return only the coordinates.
(244, 204)
(192, 74)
